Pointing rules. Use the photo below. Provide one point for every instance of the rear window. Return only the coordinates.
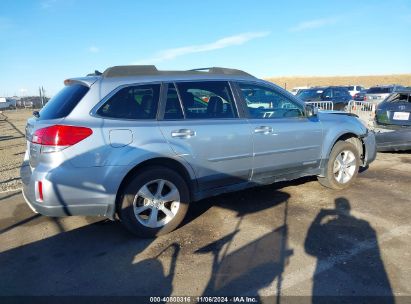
(64, 102)
(399, 97)
(380, 90)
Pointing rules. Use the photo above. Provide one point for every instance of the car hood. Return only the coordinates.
(338, 113)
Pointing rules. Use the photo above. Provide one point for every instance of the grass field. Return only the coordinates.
(290, 82)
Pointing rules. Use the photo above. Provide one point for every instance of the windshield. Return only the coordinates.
(309, 94)
(64, 102)
(380, 90)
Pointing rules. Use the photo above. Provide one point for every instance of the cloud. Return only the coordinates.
(170, 54)
(313, 24)
(93, 49)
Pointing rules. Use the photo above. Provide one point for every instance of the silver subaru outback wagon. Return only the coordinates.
(140, 144)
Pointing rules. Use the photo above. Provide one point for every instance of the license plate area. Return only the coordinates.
(401, 116)
(34, 152)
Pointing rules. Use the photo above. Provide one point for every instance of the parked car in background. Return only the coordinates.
(7, 103)
(393, 114)
(295, 90)
(395, 110)
(354, 89)
(339, 96)
(378, 93)
(360, 96)
(311, 94)
(141, 144)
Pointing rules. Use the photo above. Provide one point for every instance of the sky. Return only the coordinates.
(43, 42)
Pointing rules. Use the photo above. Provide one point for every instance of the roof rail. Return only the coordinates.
(218, 70)
(141, 70)
(130, 70)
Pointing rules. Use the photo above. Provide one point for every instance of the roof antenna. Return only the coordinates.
(96, 73)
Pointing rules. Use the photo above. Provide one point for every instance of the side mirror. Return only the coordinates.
(311, 111)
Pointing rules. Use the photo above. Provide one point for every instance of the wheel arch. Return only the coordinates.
(161, 162)
(351, 137)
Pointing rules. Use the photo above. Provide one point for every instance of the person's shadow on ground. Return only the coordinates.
(348, 257)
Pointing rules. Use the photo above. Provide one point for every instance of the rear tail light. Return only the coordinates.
(60, 136)
(39, 192)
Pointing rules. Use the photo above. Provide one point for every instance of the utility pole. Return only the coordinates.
(44, 96)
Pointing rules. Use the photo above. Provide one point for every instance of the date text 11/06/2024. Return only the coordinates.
(203, 299)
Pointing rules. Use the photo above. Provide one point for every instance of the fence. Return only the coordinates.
(321, 105)
(364, 110)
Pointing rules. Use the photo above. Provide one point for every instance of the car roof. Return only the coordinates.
(403, 91)
(122, 75)
(386, 86)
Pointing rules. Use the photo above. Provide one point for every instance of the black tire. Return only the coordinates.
(329, 180)
(125, 207)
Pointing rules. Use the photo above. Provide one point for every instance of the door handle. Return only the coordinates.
(263, 130)
(183, 133)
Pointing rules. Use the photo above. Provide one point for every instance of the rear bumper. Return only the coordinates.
(370, 146)
(394, 140)
(66, 194)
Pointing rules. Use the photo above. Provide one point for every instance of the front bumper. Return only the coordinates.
(370, 147)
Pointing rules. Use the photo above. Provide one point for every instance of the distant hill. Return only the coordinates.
(367, 81)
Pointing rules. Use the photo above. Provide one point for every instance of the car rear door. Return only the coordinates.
(285, 141)
(201, 124)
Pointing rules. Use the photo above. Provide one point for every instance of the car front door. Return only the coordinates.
(202, 126)
(285, 141)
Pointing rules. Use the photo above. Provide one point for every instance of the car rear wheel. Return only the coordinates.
(154, 202)
(342, 167)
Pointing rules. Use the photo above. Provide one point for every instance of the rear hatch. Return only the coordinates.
(41, 132)
(396, 110)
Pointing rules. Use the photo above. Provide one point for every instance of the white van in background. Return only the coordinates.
(295, 90)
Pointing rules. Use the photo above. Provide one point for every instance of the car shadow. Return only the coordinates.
(103, 258)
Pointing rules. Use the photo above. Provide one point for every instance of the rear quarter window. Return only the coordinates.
(132, 102)
(64, 102)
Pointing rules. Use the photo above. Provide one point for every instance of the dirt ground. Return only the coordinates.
(12, 147)
(289, 239)
(367, 81)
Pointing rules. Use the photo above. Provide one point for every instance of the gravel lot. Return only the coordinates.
(12, 147)
(294, 238)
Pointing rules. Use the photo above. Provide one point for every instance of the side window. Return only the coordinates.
(338, 93)
(133, 102)
(263, 102)
(173, 107)
(208, 99)
(327, 93)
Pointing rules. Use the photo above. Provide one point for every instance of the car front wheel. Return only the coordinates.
(342, 167)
